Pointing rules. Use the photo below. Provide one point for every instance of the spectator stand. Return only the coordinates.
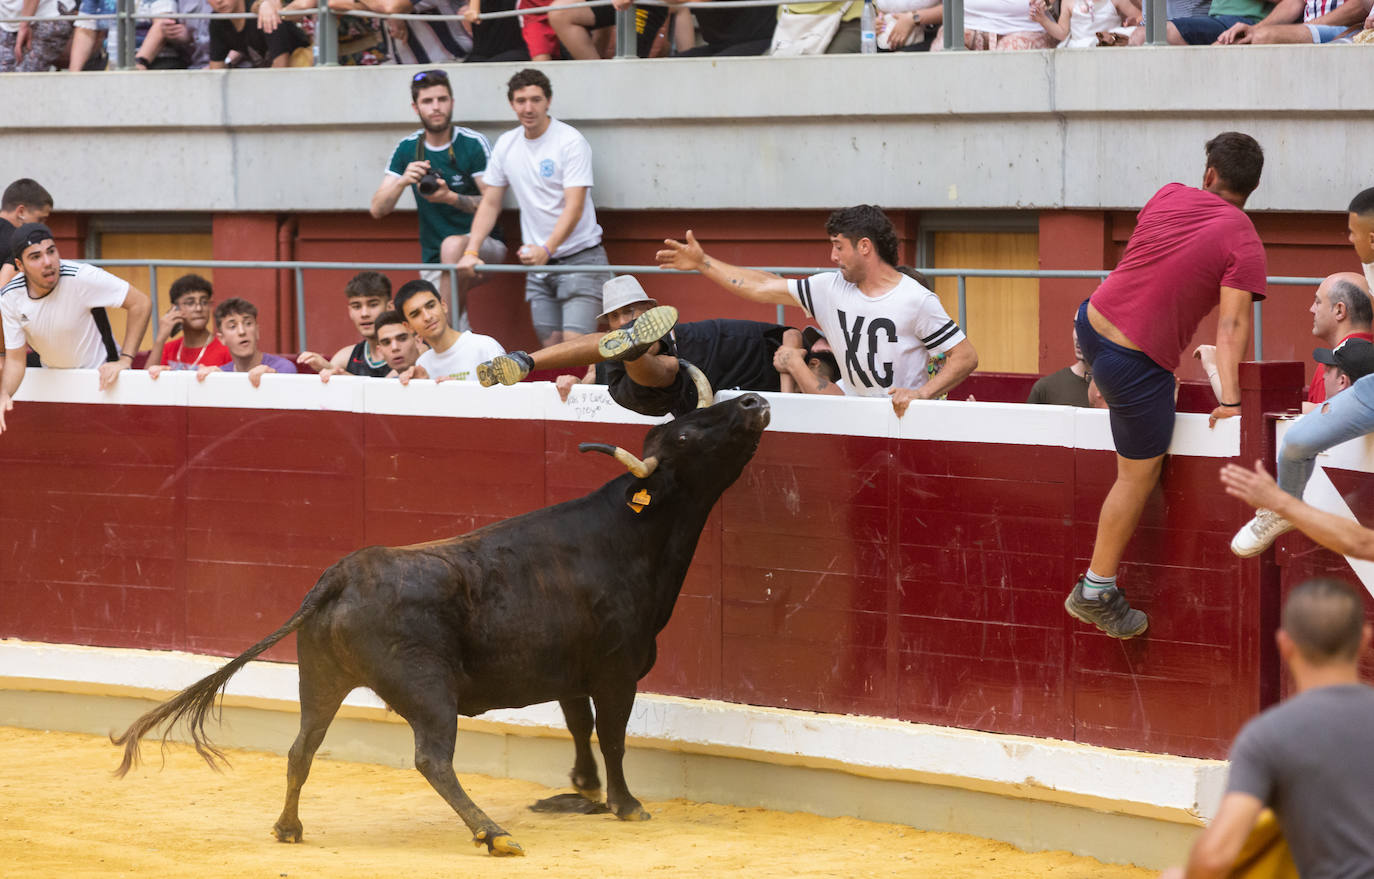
(326, 44)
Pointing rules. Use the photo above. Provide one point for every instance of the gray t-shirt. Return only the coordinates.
(1311, 759)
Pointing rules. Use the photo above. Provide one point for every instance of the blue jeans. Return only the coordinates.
(1344, 417)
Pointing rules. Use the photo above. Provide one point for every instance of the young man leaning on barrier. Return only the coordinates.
(888, 326)
(1191, 250)
(58, 308)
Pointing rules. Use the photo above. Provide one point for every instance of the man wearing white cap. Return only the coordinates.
(653, 367)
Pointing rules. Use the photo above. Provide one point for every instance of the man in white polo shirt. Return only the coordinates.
(58, 308)
(549, 165)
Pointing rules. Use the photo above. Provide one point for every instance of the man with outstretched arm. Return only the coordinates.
(1338, 534)
(888, 325)
(1192, 250)
(58, 308)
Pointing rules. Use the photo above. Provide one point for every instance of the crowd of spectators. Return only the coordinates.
(280, 34)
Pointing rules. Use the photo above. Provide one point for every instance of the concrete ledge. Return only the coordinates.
(1048, 129)
(1118, 806)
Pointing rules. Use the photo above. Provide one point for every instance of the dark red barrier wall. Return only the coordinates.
(911, 579)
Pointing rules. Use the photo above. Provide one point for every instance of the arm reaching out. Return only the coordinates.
(748, 284)
(1258, 489)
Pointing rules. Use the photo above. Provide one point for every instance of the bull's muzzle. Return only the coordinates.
(639, 468)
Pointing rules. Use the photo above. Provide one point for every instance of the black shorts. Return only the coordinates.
(1138, 391)
(649, 21)
(678, 398)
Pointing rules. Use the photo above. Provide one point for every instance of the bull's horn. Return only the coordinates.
(639, 468)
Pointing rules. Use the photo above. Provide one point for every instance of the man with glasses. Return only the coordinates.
(192, 299)
(443, 164)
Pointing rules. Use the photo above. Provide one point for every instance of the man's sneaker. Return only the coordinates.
(1257, 535)
(629, 342)
(1110, 612)
(507, 369)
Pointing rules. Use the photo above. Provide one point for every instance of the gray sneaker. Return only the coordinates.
(631, 341)
(1110, 613)
(507, 369)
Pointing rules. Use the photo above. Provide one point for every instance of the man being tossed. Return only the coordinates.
(888, 325)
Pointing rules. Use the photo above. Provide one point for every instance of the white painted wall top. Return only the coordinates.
(1046, 129)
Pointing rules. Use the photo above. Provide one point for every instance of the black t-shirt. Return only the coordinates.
(358, 365)
(6, 240)
(730, 353)
(733, 26)
(498, 39)
(252, 43)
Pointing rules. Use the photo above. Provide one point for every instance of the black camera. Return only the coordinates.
(429, 184)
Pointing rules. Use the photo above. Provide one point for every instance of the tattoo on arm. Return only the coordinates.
(705, 263)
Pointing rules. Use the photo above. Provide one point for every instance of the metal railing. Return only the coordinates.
(300, 267)
(126, 17)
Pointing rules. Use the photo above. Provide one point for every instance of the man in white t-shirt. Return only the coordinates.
(452, 354)
(888, 330)
(549, 165)
(58, 309)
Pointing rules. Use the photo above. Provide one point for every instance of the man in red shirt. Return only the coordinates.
(192, 304)
(1192, 250)
(1340, 310)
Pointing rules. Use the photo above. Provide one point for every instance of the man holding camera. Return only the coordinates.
(443, 163)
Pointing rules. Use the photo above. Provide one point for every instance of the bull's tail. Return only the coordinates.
(195, 703)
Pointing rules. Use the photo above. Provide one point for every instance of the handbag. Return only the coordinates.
(799, 33)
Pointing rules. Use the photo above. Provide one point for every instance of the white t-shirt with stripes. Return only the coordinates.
(60, 326)
(881, 342)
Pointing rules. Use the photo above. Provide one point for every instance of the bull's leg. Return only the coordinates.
(578, 715)
(425, 698)
(323, 689)
(612, 714)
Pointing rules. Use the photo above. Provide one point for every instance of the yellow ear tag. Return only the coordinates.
(639, 501)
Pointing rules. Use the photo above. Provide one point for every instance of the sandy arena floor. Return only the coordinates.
(65, 816)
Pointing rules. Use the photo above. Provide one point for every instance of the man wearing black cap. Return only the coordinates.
(1347, 363)
(58, 308)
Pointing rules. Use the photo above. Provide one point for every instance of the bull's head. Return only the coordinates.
(706, 447)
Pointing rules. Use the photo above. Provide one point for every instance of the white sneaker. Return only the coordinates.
(1259, 533)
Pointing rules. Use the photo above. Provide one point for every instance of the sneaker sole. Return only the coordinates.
(507, 370)
(1068, 607)
(485, 375)
(648, 328)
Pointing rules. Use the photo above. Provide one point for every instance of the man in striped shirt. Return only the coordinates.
(1322, 21)
(890, 330)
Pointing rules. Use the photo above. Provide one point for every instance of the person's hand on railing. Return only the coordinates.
(312, 360)
(467, 266)
(685, 257)
(204, 372)
(256, 373)
(269, 16)
(109, 372)
(396, 27)
(621, 5)
(416, 371)
(473, 12)
(534, 254)
(156, 370)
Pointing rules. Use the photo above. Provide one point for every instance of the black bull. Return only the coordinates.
(562, 603)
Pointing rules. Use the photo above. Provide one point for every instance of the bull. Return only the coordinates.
(562, 603)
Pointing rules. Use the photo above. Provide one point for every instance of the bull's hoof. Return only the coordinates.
(285, 833)
(499, 844)
(633, 812)
(589, 789)
(569, 804)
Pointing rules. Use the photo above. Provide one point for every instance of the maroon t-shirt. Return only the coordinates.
(1186, 246)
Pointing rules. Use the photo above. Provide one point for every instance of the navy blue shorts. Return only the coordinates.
(1138, 391)
(1203, 30)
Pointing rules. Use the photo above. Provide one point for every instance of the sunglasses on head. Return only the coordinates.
(424, 77)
